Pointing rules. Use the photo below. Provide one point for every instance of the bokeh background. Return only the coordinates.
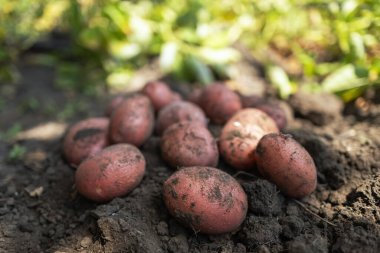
(311, 45)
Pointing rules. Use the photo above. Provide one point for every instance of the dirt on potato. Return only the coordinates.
(40, 211)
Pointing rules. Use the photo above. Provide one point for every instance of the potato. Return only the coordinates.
(133, 121)
(195, 96)
(85, 138)
(205, 199)
(240, 135)
(189, 144)
(113, 104)
(179, 111)
(275, 112)
(160, 94)
(283, 161)
(113, 172)
(251, 101)
(219, 103)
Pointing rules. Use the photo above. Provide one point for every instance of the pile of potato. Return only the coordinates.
(109, 164)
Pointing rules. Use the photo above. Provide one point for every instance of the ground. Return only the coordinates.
(41, 212)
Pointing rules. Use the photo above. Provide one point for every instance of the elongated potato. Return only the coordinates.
(113, 172)
(186, 144)
(85, 138)
(179, 111)
(205, 199)
(132, 121)
(240, 135)
(283, 161)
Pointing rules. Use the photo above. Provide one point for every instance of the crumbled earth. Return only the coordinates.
(41, 212)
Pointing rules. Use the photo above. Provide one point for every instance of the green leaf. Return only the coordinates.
(345, 78)
(222, 56)
(200, 71)
(168, 56)
(357, 44)
(280, 80)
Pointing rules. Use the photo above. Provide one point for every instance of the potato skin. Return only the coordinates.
(113, 104)
(159, 94)
(205, 199)
(219, 103)
(251, 101)
(133, 121)
(189, 144)
(84, 138)
(240, 135)
(195, 96)
(179, 111)
(111, 173)
(275, 112)
(284, 162)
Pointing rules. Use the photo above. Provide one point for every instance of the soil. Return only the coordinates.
(41, 212)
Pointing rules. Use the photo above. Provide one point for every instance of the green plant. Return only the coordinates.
(22, 22)
(11, 133)
(313, 45)
(186, 36)
(16, 153)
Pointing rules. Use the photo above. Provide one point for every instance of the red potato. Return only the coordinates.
(132, 122)
(251, 101)
(111, 173)
(275, 112)
(240, 135)
(85, 138)
(179, 111)
(186, 144)
(113, 104)
(219, 103)
(160, 94)
(284, 162)
(205, 199)
(195, 96)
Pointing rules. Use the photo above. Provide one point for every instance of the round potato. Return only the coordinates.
(219, 103)
(113, 104)
(160, 94)
(179, 111)
(275, 112)
(195, 96)
(251, 101)
(186, 144)
(205, 199)
(284, 162)
(85, 138)
(132, 122)
(240, 135)
(111, 173)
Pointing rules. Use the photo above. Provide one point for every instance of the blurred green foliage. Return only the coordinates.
(22, 22)
(314, 45)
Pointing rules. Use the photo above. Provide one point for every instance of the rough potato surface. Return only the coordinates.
(85, 138)
(159, 94)
(111, 173)
(179, 111)
(240, 135)
(219, 103)
(189, 144)
(205, 199)
(284, 162)
(133, 121)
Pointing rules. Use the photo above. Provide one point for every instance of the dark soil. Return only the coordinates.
(41, 212)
